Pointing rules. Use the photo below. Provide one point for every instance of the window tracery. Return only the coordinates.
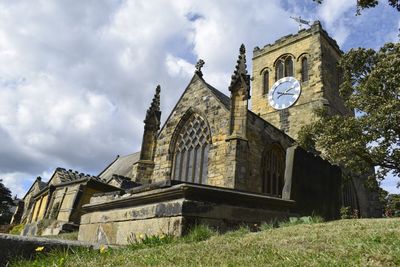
(191, 151)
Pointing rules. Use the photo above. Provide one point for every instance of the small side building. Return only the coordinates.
(56, 207)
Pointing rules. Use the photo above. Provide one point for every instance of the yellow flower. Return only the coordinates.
(162, 236)
(141, 236)
(103, 249)
(39, 249)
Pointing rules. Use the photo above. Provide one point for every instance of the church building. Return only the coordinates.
(214, 161)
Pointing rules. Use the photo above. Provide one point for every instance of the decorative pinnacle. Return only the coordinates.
(199, 65)
(154, 107)
(240, 69)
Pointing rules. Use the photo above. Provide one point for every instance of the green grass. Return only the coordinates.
(363, 242)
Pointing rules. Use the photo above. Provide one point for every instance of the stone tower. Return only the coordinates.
(311, 57)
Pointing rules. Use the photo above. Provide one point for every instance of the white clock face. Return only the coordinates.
(284, 93)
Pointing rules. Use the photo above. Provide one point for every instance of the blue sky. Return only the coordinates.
(76, 78)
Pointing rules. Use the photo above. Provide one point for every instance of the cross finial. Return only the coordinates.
(199, 65)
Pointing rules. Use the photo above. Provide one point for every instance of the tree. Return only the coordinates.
(363, 4)
(371, 88)
(5, 202)
(393, 205)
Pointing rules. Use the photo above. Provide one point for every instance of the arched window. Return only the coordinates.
(284, 67)
(265, 82)
(273, 169)
(304, 69)
(191, 151)
(279, 70)
(289, 67)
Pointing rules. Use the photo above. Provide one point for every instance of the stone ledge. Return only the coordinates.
(192, 192)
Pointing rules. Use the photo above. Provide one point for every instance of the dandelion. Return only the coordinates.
(141, 236)
(38, 249)
(103, 249)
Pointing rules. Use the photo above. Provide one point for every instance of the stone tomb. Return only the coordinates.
(173, 207)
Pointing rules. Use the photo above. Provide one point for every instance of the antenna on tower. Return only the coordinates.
(301, 21)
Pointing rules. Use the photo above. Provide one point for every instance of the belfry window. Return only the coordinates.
(191, 151)
(273, 169)
(304, 69)
(265, 82)
(284, 67)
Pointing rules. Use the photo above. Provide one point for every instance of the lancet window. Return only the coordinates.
(284, 67)
(265, 82)
(191, 151)
(304, 69)
(273, 166)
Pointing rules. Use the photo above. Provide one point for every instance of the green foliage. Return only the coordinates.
(141, 241)
(348, 213)
(367, 242)
(372, 137)
(199, 233)
(17, 229)
(5, 202)
(363, 4)
(392, 208)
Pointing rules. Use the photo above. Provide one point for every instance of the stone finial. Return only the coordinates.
(199, 65)
(154, 109)
(240, 73)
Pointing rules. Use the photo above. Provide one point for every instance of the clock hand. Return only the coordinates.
(287, 90)
(281, 94)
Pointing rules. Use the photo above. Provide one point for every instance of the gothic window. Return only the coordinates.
(284, 67)
(191, 151)
(273, 169)
(289, 67)
(265, 82)
(304, 69)
(280, 66)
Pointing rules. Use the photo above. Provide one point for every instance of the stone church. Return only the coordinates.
(214, 161)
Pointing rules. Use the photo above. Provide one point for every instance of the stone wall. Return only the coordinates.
(196, 98)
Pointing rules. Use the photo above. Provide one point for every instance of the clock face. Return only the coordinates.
(284, 93)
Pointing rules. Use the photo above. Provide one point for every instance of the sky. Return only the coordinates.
(76, 77)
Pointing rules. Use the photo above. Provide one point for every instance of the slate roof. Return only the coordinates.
(70, 175)
(224, 99)
(121, 166)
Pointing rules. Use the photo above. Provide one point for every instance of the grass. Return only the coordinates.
(362, 242)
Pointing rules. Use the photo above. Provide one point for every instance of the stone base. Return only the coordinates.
(174, 210)
(55, 227)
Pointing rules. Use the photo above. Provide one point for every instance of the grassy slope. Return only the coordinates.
(366, 242)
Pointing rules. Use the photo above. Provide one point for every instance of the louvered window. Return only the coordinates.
(191, 151)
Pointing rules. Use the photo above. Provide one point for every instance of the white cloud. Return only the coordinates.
(75, 80)
(178, 66)
(332, 11)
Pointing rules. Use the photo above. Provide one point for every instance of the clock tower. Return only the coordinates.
(294, 77)
(308, 59)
